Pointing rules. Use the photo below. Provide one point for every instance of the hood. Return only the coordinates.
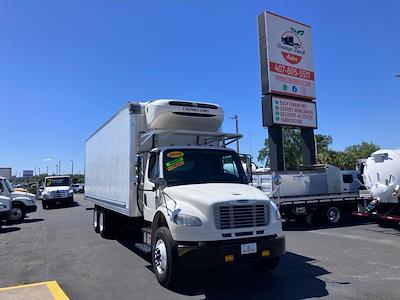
(16, 194)
(211, 193)
(56, 188)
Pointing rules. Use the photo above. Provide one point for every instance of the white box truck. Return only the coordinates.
(164, 166)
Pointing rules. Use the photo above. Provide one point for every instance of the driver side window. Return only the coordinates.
(154, 167)
(1, 188)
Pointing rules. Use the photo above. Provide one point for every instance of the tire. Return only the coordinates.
(96, 220)
(18, 213)
(164, 257)
(45, 205)
(333, 215)
(106, 224)
(265, 266)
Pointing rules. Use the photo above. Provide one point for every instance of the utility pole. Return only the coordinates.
(47, 170)
(56, 169)
(236, 118)
(59, 167)
(72, 167)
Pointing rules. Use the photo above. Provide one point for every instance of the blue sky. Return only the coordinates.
(67, 66)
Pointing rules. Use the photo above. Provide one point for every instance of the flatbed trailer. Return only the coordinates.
(331, 207)
(380, 212)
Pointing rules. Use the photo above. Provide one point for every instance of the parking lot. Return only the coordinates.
(353, 261)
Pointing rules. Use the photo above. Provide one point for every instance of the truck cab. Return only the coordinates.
(21, 202)
(205, 203)
(5, 207)
(57, 191)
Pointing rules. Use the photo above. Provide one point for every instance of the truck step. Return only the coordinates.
(143, 247)
(146, 230)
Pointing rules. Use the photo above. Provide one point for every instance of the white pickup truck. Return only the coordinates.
(5, 207)
(164, 166)
(57, 191)
(21, 202)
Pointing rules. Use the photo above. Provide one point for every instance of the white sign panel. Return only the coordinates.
(294, 113)
(27, 173)
(289, 57)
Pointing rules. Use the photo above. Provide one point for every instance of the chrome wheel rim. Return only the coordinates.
(333, 214)
(95, 219)
(16, 214)
(160, 257)
(101, 221)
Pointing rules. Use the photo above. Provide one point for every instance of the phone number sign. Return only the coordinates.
(286, 57)
(294, 113)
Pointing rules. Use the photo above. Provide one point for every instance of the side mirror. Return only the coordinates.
(276, 180)
(160, 184)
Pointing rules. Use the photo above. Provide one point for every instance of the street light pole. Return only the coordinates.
(59, 167)
(236, 118)
(72, 167)
(56, 169)
(47, 170)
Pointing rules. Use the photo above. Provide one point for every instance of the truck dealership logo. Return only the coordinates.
(291, 46)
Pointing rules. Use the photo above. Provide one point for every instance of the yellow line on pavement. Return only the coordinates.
(54, 288)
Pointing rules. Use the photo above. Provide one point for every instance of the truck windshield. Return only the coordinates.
(9, 186)
(190, 166)
(58, 181)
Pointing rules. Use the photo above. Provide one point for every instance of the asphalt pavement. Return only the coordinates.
(354, 261)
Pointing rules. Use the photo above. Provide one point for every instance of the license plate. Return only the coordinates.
(248, 248)
(58, 202)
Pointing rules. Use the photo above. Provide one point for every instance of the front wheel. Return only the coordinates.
(165, 258)
(18, 213)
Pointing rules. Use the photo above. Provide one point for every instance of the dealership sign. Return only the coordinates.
(286, 57)
(293, 112)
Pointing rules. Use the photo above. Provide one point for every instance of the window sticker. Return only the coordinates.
(173, 164)
(175, 154)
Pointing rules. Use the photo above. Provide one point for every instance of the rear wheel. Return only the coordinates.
(96, 220)
(333, 215)
(107, 224)
(44, 204)
(165, 258)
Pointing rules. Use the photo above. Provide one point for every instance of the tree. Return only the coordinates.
(293, 154)
(292, 148)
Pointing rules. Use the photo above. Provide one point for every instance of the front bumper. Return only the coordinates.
(58, 200)
(211, 254)
(31, 208)
(4, 215)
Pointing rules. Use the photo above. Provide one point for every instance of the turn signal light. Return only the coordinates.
(265, 253)
(229, 258)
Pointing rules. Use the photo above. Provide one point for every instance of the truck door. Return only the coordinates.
(149, 196)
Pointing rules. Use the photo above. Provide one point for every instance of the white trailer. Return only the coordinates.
(5, 172)
(313, 193)
(164, 166)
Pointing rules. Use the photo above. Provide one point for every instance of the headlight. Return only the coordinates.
(71, 191)
(186, 220)
(2, 205)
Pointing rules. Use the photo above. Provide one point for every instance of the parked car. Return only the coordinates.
(78, 188)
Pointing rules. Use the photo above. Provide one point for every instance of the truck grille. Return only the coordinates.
(59, 194)
(241, 216)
